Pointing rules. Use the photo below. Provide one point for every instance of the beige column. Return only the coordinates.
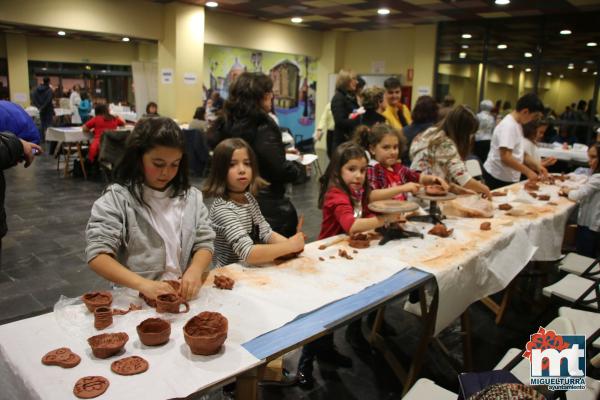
(180, 59)
(424, 61)
(18, 71)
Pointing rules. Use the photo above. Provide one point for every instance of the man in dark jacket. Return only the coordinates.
(41, 97)
(12, 151)
(15, 120)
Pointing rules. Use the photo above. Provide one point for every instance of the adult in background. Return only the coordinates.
(246, 115)
(424, 115)
(372, 102)
(506, 160)
(442, 149)
(326, 126)
(151, 110)
(101, 122)
(74, 101)
(483, 136)
(344, 107)
(199, 122)
(85, 107)
(12, 151)
(14, 119)
(447, 106)
(41, 97)
(396, 113)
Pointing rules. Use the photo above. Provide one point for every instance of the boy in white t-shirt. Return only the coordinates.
(507, 160)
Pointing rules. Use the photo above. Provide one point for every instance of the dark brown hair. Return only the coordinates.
(596, 145)
(246, 94)
(426, 110)
(371, 97)
(459, 125)
(216, 183)
(333, 175)
(530, 128)
(368, 137)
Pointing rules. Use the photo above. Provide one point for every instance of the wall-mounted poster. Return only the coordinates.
(294, 82)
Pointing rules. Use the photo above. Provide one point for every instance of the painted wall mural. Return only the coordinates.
(294, 82)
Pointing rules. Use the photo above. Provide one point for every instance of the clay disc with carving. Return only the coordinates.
(89, 387)
(63, 357)
(129, 366)
(392, 206)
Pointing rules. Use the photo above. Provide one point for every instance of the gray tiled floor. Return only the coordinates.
(42, 258)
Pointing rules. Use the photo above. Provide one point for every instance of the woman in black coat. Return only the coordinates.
(245, 115)
(343, 104)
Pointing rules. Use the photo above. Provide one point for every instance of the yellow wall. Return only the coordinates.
(16, 49)
(135, 18)
(463, 82)
(563, 92)
(80, 51)
(501, 84)
(229, 30)
(393, 46)
(425, 37)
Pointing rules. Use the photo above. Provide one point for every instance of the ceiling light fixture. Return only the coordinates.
(591, 44)
(584, 70)
(570, 66)
(549, 73)
(589, 62)
(125, 39)
(502, 46)
(44, 68)
(466, 36)
(510, 66)
(383, 11)
(465, 46)
(595, 72)
(527, 69)
(211, 4)
(296, 20)
(528, 54)
(502, 2)
(62, 33)
(462, 54)
(565, 32)
(561, 76)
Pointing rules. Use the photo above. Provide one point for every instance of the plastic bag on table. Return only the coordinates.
(469, 207)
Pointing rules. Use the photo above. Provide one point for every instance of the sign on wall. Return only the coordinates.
(166, 76)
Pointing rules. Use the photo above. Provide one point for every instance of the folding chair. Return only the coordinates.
(586, 267)
(579, 292)
(112, 150)
(427, 389)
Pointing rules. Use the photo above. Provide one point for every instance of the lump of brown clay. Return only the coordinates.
(103, 318)
(170, 303)
(89, 387)
(359, 241)
(152, 302)
(531, 186)
(332, 257)
(286, 257)
(154, 331)
(344, 254)
(63, 357)
(499, 193)
(505, 207)
(107, 344)
(533, 194)
(435, 190)
(132, 307)
(94, 300)
(485, 226)
(551, 203)
(544, 197)
(129, 366)
(440, 230)
(224, 282)
(321, 259)
(205, 333)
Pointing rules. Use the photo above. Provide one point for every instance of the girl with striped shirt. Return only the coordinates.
(243, 234)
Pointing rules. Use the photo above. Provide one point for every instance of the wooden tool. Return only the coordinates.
(331, 243)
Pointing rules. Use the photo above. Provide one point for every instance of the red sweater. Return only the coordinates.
(338, 213)
(99, 125)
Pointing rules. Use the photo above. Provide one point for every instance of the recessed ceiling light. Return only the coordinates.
(465, 46)
(549, 73)
(527, 69)
(584, 70)
(502, 2)
(296, 20)
(528, 54)
(589, 62)
(595, 72)
(383, 11)
(502, 46)
(462, 54)
(565, 32)
(88, 67)
(44, 68)
(466, 36)
(571, 66)
(62, 33)
(103, 71)
(510, 66)
(561, 76)
(211, 4)
(125, 39)
(591, 44)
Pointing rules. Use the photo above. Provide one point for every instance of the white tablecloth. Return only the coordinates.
(72, 134)
(564, 155)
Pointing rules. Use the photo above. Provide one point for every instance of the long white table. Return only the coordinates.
(564, 155)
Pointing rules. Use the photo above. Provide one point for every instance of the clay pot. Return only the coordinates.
(94, 300)
(224, 282)
(205, 333)
(154, 331)
(435, 190)
(151, 302)
(107, 344)
(103, 317)
(170, 303)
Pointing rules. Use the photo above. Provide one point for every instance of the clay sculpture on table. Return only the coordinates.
(505, 207)
(485, 226)
(359, 241)
(132, 307)
(224, 282)
(152, 302)
(63, 357)
(531, 186)
(103, 317)
(499, 193)
(533, 194)
(544, 197)
(94, 300)
(107, 344)
(344, 254)
(205, 333)
(154, 331)
(440, 230)
(435, 190)
(170, 303)
(89, 387)
(129, 366)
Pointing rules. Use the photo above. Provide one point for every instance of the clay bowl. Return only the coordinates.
(94, 300)
(107, 344)
(152, 302)
(154, 331)
(205, 333)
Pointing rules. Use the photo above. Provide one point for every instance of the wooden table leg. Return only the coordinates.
(500, 309)
(246, 386)
(67, 155)
(81, 161)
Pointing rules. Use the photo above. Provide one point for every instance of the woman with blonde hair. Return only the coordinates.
(344, 107)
